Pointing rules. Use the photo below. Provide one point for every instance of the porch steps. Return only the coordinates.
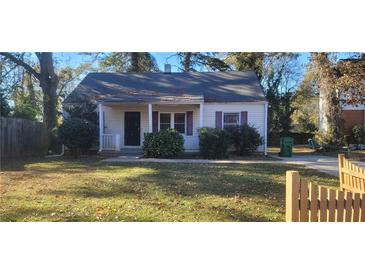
(132, 152)
(123, 152)
(110, 153)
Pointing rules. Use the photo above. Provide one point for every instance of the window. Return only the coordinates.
(165, 121)
(231, 119)
(179, 122)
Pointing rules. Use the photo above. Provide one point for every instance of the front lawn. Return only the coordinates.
(88, 190)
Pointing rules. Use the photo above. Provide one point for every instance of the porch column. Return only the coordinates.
(201, 109)
(150, 118)
(101, 127)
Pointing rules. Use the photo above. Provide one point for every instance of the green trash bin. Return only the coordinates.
(286, 146)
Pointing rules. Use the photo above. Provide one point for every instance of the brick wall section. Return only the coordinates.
(352, 118)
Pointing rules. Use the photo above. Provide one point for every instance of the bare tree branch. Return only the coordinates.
(20, 62)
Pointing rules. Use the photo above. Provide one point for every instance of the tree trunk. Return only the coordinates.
(48, 82)
(187, 61)
(134, 62)
(331, 102)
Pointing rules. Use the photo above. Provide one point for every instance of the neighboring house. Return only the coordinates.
(132, 104)
(351, 114)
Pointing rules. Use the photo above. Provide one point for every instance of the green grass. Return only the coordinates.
(88, 190)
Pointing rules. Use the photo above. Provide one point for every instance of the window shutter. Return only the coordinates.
(189, 123)
(244, 117)
(154, 121)
(218, 119)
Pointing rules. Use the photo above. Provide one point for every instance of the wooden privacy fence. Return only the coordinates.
(352, 177)
(309, 202)
(21, 138)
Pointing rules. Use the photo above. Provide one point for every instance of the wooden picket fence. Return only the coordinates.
(352, 177)
(307, 202)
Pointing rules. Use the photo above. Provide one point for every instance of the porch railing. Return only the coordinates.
(110, 142)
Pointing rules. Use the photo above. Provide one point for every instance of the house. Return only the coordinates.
(132, 104)
(351, 115)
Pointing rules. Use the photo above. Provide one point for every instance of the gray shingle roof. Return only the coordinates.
(153, 87)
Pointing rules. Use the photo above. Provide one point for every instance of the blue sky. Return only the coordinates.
(74, 59)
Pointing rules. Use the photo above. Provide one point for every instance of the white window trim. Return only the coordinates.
(159, 119)
(231, 112)
(172, 120)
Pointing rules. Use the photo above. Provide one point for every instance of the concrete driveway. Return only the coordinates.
(324, 164)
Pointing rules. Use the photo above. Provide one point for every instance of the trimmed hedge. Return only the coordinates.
(245, 139)
(213, 143)
(77, 134)
(163, 144)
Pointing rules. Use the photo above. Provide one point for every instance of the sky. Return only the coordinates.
(74, 59)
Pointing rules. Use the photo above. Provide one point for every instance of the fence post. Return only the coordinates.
(341, 158)
(292, 192)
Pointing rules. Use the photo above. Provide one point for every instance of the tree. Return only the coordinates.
(48, 81)
(243, 61)
(69, 76)
(351, 79)
(278, 75)
(4, 105)
(25, 108)
(193, 61)
(305, 117)
(324, 68)
(4, 96)
(85, 110)
(26, 98)
(128, 62)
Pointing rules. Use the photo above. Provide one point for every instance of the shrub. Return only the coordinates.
(245, 139)
(85, 110)
(358, 133)
(77, 134)
(327, 143)
(163, 144)
(213, 143)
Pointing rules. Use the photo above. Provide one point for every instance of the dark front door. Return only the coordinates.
(132, 128)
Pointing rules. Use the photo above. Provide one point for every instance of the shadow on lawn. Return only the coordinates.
(218, 180)
(19, 214)
(256, 181)
(256, 184)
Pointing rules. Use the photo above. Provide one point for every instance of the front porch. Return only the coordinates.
(122, 126)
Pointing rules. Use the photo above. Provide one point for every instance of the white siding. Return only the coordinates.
(114, 121)
(322, 117)
(191, 143)
(114, 118)
(255, 113)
